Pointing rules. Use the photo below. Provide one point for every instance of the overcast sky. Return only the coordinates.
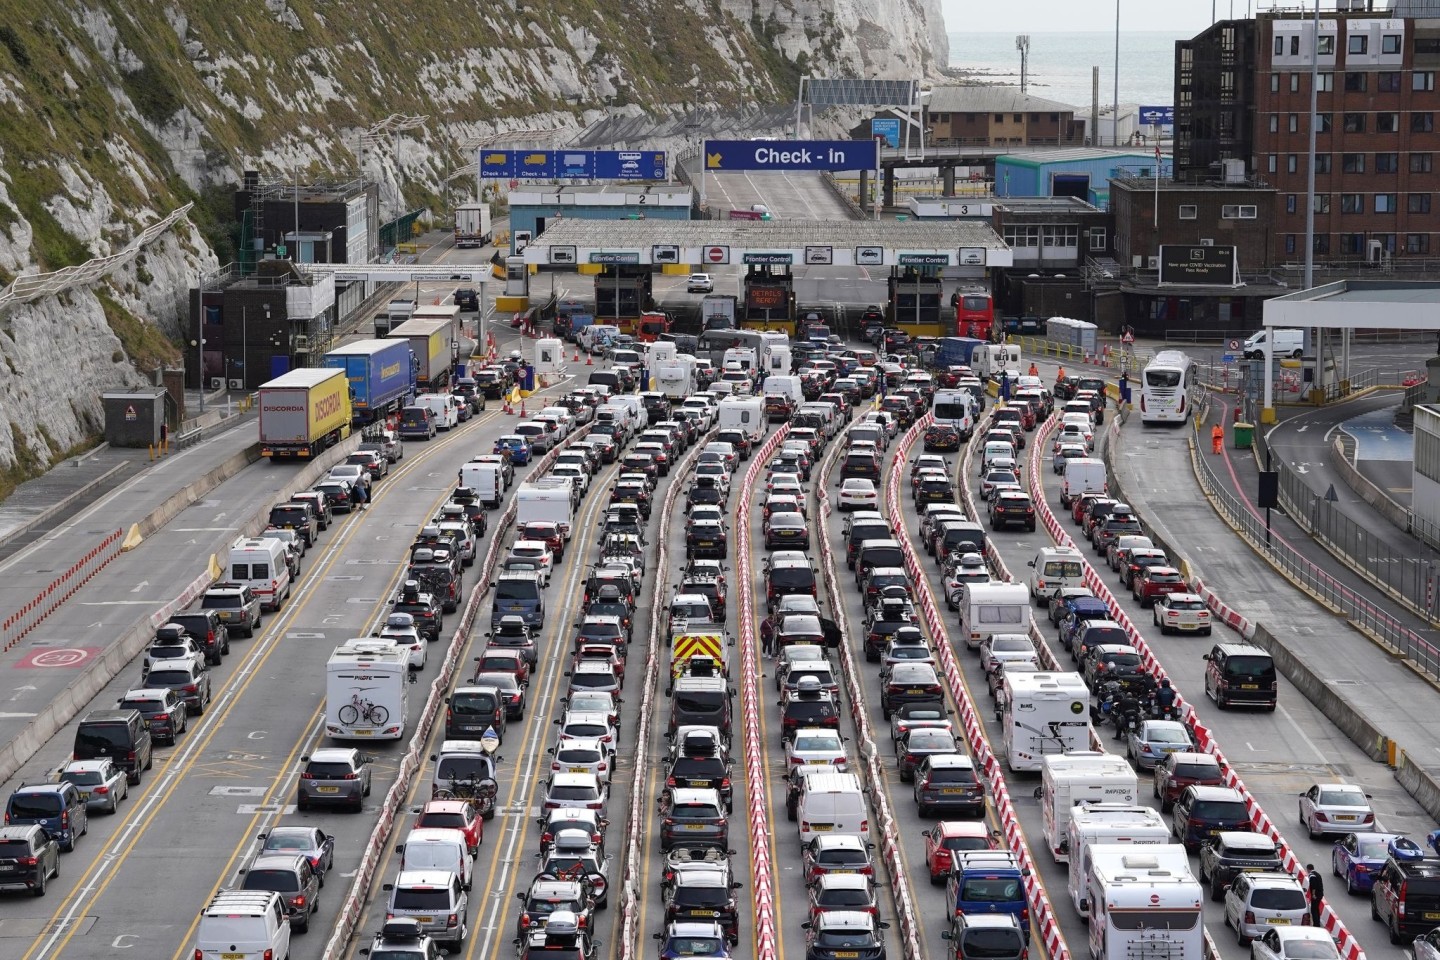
(1066, 16)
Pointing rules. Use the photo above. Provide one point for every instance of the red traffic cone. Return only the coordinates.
(522, 409)
(589, 360)
(577, 355)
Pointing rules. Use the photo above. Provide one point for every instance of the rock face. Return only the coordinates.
(113, 115)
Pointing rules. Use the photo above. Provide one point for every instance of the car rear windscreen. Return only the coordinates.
(281, 881)
(437, 900)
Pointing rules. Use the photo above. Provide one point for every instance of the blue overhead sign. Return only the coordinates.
(887, 127)
(1157, 116)
(572, 164)
(723, 155)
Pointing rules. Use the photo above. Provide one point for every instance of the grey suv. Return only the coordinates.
(291, 876)
(237, 605)
(335, 775)
(28, 858)
(1232, 852)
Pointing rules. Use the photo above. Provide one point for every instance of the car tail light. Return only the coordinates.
(297, 901)
(102, 790)
(1322, 817)
(304, 776)
(1249, 916)
(27, 861)
(191, 688)
(452, 920)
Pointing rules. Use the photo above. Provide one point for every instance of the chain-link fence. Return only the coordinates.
(1298, 569)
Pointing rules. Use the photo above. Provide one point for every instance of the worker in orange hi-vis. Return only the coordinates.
(1034, 370)
(1217, 438)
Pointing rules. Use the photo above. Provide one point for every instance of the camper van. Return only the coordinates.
(1080, 777)
(366, 693)
(260, 564)
(1107, 823)
(1043, 714)
(1143, 902)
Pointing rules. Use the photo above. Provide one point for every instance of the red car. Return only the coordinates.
(1153, 581)
(948, 836)
(454, 815)
(1180, 770)
(547, 531)
(504, 661)
(1081, 506)
(1137, 560)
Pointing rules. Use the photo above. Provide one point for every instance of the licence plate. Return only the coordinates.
(1344, 817)
(579, 770)
(700, 784)
(1249, 686)
(694, 826)
(1278, 921)
(839, 871)
(1431, 916)
(916, 691)
(821, 827)
(705, 543)
(952, 791)
(426, 919)
(232, 956)
(846, 954)
(363, 733)
(86, 796)
(327, 789)
(704, 913)
(9, 867)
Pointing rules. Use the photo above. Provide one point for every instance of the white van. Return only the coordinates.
(784, 385)
(259, 563)
(594, 335)
(243, 925)
(832, 803)
(1082, 475)
(994, 451)
(1053, 568)
(990, 608)
(447, 414)
(1287, 343)
(428, 848)
(487, 480)
(639, 419)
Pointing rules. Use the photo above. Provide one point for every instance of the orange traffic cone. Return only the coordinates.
(523, 414)
(589, 359)
(577, 355)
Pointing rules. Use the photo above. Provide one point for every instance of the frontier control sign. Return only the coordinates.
(723, 155)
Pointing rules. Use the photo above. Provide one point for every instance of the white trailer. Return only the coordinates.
(742, 413)
(676, 377)
(472, 225)
(547, 500)
(993, 358)
(1044, 714)
(1143, 903)
(1107, 823)
(990, 608)
(1080, 777)
(366, 693)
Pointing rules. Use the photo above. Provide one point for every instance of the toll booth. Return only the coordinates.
(622, 293)
(916, 304)
(516, 298)
(769, 299)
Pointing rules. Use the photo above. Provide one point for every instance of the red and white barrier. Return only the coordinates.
(762, 870)
(1041, 913)
(19, 624)
(1350, 948)
(889, 832)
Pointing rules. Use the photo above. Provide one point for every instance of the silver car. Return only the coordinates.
(102, 785)
(335, 775)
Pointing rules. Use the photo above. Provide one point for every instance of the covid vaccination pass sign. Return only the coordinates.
(723, 155)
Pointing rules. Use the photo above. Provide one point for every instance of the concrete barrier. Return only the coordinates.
(192, 492)
(1419, 783)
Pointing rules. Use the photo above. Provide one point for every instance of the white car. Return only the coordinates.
(583, 755)
(537, 550)
(1067, 451)
(1336, 808)
(785, 503)
(817, 745)
(700, 283)
(1005, 647)
(786, 483)
(586, 724)
(994, 477)
(1303, 943)
(401, 627)
(858, 493)
(1185, 612)
(1259, 902)
(707, 513)
(717, 470)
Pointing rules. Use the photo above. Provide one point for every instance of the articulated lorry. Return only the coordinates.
(381, 375)
(472, 225)
(429, 339)
(303, 412)
(397, 312)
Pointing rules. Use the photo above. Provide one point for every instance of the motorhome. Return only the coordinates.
(1107, 823)
(1043, 714)
(1143, 902)
(366, 693)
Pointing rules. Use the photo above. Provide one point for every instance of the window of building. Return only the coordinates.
(1325, 122)
(1387, 123)
(1355, 82)
(1274, 123)
(1354, 123)
(1421, 162)
(1359, 43)
(1294, 123)
(1019, 235)
(1279, 47)
(1060, 235)
(1422, 122)
(1322, 243)
(1326, 45)
(1390, 43)
(1238, 211)
(1000, 117)
(1098, 238)
(1352, 163)
(1322, 203)
(1274, 83)
(1189, 211)
(1054, 118)
(1352, 243)
(1387, 163)
(1388, 82)
(1295, 45)
(1270, 162)
(1418, 202)
(1019, 118)
(1322, 163)
(1289, 243)
(1417, 243)
(1292, 163)
(1385, 203)
(1352, 203)
(1327, 82)
(1422, 80)
(1290, 201)
(1427, 46)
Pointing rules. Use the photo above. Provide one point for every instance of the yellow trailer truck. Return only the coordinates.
(303, 412)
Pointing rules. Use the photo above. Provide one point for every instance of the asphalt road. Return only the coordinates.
(788, 196)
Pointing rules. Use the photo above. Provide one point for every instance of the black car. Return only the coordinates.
(29, 857)
(207, 629)
(941, 438)
(467, 299)
(429, 617)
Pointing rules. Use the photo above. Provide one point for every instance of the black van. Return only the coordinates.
(121, 735)
(877, 553)
(1241, 674)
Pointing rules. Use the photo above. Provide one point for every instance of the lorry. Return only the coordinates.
(1107, 823)
(397, 312)
(1043, 714)
(303, 412)
(742, 413)
(1143, 902)
(717, 312)
(366, 692)
(958, 351)
(472, 225)
(381, 375)
(429, 338)
(1080, 777)
(546, 501)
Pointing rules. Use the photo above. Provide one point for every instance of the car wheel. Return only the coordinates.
(1309, 827)
(1217, 890)
(1350, 884)
(1394, 929)
(1374, 913)
(39, 890)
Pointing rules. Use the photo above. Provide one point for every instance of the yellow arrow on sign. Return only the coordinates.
(712, 161)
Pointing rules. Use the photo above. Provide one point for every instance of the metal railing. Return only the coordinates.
(1247, 520)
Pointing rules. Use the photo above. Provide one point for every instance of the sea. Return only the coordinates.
(1060, 64)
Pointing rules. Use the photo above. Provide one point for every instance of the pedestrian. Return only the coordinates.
(359, 496)
(767, 637)
(1034, 370)
(1315, 889)
(1217, 438)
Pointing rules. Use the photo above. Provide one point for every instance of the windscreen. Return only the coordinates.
(407, 898)
(461, 768)
(1262, 667)
(33, 806)
(1277, 898)
(990, 944)
(1162, 378)
(1232, 811)
(991, 890)
(473, 704)
(282, 881)
(517, 590)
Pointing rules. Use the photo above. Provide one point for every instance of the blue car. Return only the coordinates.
(1357, 857)
(516, 447)
(693, 941)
